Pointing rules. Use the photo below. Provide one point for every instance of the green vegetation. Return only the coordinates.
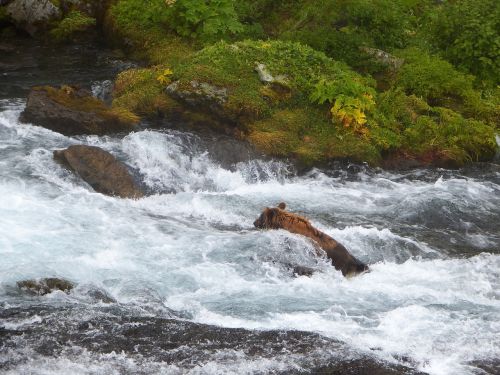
(467, 33)
(142, 92)
(75, 22)
(363, 80)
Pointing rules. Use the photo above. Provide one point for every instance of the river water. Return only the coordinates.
(188, 253)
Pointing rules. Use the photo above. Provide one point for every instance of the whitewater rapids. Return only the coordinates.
(432, 239)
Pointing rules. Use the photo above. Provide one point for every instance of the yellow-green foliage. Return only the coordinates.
(306, 134)
(66, 97)
(140, 91)
(75, 22)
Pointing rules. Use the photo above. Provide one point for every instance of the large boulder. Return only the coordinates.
(33, 15)
(100, 170)
(72, 111)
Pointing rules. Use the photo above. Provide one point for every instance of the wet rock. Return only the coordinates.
(100, 296)
(33, 15)
(100, 170)
(45, 286)
(103, 90)
(70, 110)
(187, 346)
(302, 271)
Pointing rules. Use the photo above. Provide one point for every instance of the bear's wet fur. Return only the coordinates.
(278, 218)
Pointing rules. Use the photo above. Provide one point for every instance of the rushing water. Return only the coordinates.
(189, 251)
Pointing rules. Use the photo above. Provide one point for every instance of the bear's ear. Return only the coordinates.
(282, 206)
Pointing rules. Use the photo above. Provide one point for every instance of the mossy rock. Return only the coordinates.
(73, 27)
(72, 111)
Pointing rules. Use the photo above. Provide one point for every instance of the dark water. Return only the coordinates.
(191, 287)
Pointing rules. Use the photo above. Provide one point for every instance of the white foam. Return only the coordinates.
(193, 247)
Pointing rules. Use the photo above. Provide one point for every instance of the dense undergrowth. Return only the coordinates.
(364, 80)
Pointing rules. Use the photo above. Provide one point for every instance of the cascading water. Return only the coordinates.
(189, 251)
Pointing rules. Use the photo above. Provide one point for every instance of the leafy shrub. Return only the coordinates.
(467, 33)
(205, 19)
(145, 14)
(431, 77)
(349, 97)
(164, 77)
(208, 19)
(451, 136)
(440, 84)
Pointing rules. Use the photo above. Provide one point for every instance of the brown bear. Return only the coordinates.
(278, 218)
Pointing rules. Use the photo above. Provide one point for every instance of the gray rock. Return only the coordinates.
(384, 57)
(265, 76)
(103, 90)
(199, 92)
(33, 15)
(100, 170)
(200, 95)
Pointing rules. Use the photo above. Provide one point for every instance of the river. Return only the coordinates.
(188, 253)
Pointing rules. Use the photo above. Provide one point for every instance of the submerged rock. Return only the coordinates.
(161, 344)
(100, 170)
(33, 15)
(71, 110)
(45, 286)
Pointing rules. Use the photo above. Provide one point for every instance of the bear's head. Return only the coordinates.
(266, 220)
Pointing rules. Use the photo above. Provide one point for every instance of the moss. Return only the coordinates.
(68, 97)
(139, 91)
(74, 23)
(308, 135)
(232, 66)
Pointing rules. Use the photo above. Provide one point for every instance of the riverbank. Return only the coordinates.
(399, 110)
